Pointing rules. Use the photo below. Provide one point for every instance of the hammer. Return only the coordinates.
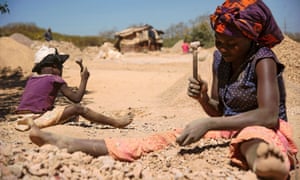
(79, 62)
(194, 46)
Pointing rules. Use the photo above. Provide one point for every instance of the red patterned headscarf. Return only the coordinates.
(249, 18)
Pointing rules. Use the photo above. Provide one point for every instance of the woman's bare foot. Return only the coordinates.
(40, 138)
(269, 162)
(92, 147)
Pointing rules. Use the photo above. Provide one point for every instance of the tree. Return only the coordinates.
(196, 30)
(203, 33)
(4, 8)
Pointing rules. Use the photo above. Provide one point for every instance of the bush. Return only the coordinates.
(35, 33)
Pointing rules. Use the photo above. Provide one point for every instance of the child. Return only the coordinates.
(42, 89)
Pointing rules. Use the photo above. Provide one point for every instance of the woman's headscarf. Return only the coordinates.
(250, 18)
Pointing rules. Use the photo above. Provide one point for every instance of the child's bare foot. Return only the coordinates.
(123, 121)
(270, 163)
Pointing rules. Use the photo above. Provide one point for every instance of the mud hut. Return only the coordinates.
(139, 39)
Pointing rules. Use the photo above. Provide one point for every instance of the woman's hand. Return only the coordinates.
(193, 132)
(197, 89)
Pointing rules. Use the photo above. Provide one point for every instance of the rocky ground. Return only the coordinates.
(152, 86)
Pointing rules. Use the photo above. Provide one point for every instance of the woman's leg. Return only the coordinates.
(264, 159)
(92, 147)
(87, 113)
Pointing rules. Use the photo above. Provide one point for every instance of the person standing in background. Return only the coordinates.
(48, 35)
(185, 47)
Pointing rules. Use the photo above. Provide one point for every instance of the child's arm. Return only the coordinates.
(76, 96)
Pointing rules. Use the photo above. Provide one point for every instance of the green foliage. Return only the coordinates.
(169, 42)
(35, 33)
(203, 33)
(197, 30)
(4, 8)
(30, 30)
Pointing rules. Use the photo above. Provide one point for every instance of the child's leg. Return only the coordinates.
(264, 159)
(87, 113)
(92, 147)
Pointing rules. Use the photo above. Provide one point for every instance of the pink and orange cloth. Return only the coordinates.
(130, 149)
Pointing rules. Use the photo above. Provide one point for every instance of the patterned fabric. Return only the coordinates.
(281, 138)
(250, 18)
(239, 95)
(40, 93)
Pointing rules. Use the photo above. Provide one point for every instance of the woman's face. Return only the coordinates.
(233, 49)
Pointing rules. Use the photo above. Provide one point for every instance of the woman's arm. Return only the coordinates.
(198, 90)
(265, 115)
(268, 99)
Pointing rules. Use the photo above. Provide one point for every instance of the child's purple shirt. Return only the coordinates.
(40, 93)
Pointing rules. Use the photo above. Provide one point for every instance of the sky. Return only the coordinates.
(90, 17)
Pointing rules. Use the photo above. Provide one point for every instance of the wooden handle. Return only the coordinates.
(79, 62)
(195, 64)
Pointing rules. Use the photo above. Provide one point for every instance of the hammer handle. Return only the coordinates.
(79, 62)
(195, 64)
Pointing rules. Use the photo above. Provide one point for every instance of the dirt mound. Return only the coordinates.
(62, 47)
(14, 54)
(22, 39)
(177, 47)
(288, 53)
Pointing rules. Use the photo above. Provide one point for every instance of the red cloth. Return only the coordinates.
(185, 47)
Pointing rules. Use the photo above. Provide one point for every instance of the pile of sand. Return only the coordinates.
(288, 52)
(22, 39)
(14, 54)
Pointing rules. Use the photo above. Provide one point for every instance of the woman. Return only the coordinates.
(247, 100)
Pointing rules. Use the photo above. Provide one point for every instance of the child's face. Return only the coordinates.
(52, 70)
(57, 71)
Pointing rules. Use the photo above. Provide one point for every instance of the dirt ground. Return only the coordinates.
(152, 86)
